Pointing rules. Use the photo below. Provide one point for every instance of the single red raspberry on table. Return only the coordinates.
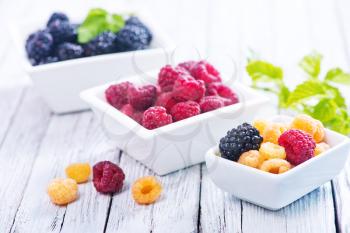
(107, 177)
(185, 110)
(299, 146)
(187, 65)
(143, 97)
(168, 75)
(224, 91)
(116, 94)
(210, 103)
(166, 100)
(155, 117)
(188, 88)
(206, 72)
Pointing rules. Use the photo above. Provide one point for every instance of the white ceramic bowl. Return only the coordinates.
(276, 191)
(60, 83)
(177, 145)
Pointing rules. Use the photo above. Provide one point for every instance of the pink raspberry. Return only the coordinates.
(223, 91)
(137, 116)
(206, 72)
(168, 75)
(116, 94)
(188, 65)
(185, 110)
(299, 146)
(107, 177)
(128, 110)
(166, 100)
(210, 103)
(142, 98)
(155, 117)
(187, 88)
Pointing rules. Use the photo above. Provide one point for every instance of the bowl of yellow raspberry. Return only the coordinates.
(272, 163)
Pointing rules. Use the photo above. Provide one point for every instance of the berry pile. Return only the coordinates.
(274, 147)
(187, 90)
(59, 40)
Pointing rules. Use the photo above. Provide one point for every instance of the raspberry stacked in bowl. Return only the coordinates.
(183, 91)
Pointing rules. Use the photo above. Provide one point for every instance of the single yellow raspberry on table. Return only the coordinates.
(321, 147)
(276, 166)
(251, 158)
(309, 125)
(269, 150)
(273, 131)
(80, 172)
(146, 190)
(63, 191)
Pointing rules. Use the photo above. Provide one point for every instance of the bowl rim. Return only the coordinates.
(211, 154)
(90, 96)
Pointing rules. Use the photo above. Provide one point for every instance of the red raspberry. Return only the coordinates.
(166, 100)
(187, 88)
(185, 110)
(107, 177)
(209, 103)
(142, 98)
(299, 146)
(128, 110)
(155, 117)
(168, 75)
(137, 116)
(223, 91)
(188, 65)
(206, 72)
(116, 95)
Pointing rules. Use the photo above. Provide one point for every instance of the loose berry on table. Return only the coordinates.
(146, 190)
(63, 191)
(108, 177)
(80, 172)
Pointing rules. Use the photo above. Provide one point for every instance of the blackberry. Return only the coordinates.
(102, 44)
(239, 140)
(38, 46)
(49, 59)
(63, 31)
(68, 51)
(57, 16)
(133, 20)
(130, 38)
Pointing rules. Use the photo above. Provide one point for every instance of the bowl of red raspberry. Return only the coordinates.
(273, 163)
(62, 58)
(168, 120)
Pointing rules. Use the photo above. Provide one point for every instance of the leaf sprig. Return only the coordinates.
(315, 96)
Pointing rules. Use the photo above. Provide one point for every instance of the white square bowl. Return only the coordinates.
(60, 83)
(177, 145)
(274, 191)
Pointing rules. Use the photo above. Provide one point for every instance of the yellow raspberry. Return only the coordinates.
(260, 125)
(272, 151)
(276, 166)
(309, 125)
(273, 131)
(321, 147)
(80, 172)
(63, 191)
(146, 190)
(251, 158)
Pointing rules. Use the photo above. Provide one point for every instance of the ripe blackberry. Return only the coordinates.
(38, 46)
(101, 44)
(62, 31)
(131, 38)
(57, 16)
(133, 20)
(68, 51)
(239, 140)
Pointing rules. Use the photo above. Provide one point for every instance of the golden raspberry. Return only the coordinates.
(273, 131)
(260, 125)
(321, 147)
(270, 150)
(276, 166)
(309, 125)
(63, 191)
(251, 158)
(146, 190)
(80, 172)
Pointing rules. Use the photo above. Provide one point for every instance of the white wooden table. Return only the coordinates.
(36, 146)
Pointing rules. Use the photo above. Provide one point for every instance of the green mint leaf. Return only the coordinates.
(311, 64)
(261, 71)
(340, 122)
(325, 110)
(283, 96)
(308, 89)
(337, 75)
(334, 93)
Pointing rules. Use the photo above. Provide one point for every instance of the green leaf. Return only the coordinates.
(306, 90)
(98, 21)
(334, 93)
(311, 64)
(325, 110)
(340, 122)
(283, 96)
(261, 71)
(337, 75)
